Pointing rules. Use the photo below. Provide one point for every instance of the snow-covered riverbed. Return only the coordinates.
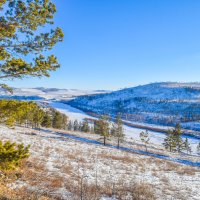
(71, 112)
(130, 132)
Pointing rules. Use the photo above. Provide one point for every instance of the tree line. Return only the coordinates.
(29, 114)
(174, 141)
(102, 126)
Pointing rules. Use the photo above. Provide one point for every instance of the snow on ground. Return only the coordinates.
(62, 159)
(156, 138)
(71, 112)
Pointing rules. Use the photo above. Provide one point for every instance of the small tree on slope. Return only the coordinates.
(144, 136)
(12, 154)
(102, 127)
(117, 130)
(173, 141)
(186, 145)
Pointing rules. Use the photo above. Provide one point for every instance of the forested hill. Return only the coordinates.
(159, 103)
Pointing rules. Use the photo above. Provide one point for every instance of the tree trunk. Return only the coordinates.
(118, 143)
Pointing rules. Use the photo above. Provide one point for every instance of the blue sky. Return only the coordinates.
(112, 44)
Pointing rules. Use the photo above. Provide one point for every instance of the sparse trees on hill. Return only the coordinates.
(169, 142)
(144, 136)
(76, 125)
(186, 146)
(70, 125)
(174, 142)
(101, 127)
(117, 130)
(85, 126)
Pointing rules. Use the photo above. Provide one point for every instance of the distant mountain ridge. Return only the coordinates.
(164, 103)
(46, 93)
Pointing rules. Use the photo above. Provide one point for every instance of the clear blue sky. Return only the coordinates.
(111, 44)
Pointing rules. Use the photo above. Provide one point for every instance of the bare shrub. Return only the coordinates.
(142, 191)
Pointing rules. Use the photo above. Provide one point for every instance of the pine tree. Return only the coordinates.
(177, 134)
(186, 146)
(144, 136)
(85, 127)
(57, 120)
(38, 117)
(173, 141)
(12, 154)
(64, 121)
(47, 120)
(101, 127)
(169, 142)
(117, 130)
(21, 113)
(70, 126)
(22, 35)
(76, 125)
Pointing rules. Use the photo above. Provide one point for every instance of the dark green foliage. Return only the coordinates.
(12, 154)
(186, 146)
(169, 142)
(57, 120)
(64, 122)
(38, 115)
(117, 130)
(20, 112)
(85, 127)
(29, 114)
(173, 142)
(22, 33)
(101, 127)
(47, 120)
(76, 125)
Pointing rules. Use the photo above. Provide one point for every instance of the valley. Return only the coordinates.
(74, 164)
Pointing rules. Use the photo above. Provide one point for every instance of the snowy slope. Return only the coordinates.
(156, 138)
(72, 113)
(158, 103)
(58, 156)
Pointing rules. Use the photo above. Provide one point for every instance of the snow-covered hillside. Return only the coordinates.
(156, 138)
(157, 103)
(46, 93)
(60, 164)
